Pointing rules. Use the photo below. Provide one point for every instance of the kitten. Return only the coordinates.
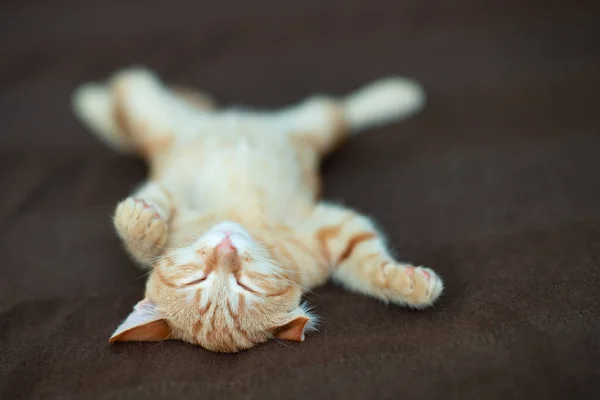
(229, 221)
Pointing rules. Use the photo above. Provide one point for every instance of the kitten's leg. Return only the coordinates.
(317, 122)
(362, 263)
(136, 112)
(324, 121)
(142, 222)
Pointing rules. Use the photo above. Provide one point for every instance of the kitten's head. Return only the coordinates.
(225, 292)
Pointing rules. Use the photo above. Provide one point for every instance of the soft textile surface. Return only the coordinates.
(495, 185)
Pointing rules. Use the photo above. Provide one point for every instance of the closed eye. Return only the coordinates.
(194, 282)
(245, 287)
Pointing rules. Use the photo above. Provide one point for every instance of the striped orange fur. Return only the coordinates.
(228, 222)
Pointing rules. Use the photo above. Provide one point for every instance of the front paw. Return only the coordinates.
(140, 226)
(417, 287)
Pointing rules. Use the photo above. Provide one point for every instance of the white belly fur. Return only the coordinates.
(246, 171)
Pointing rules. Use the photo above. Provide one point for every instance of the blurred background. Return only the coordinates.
(494, 184)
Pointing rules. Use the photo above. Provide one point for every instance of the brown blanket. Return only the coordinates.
(495, 185)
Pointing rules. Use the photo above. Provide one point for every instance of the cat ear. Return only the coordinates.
(144, 324)
(299, 322)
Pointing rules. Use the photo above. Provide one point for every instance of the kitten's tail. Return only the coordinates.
(381, 102)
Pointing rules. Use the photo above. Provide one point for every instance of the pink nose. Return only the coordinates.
(226, 245)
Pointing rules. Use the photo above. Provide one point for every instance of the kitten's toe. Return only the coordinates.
(435, 287)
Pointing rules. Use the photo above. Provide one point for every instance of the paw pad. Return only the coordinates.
(142, 202)
(147, 206)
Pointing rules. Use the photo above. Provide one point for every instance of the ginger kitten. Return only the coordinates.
(229, 222)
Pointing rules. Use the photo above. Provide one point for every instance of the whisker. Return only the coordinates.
(283, 344)
(159, 342)
(144, 275)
